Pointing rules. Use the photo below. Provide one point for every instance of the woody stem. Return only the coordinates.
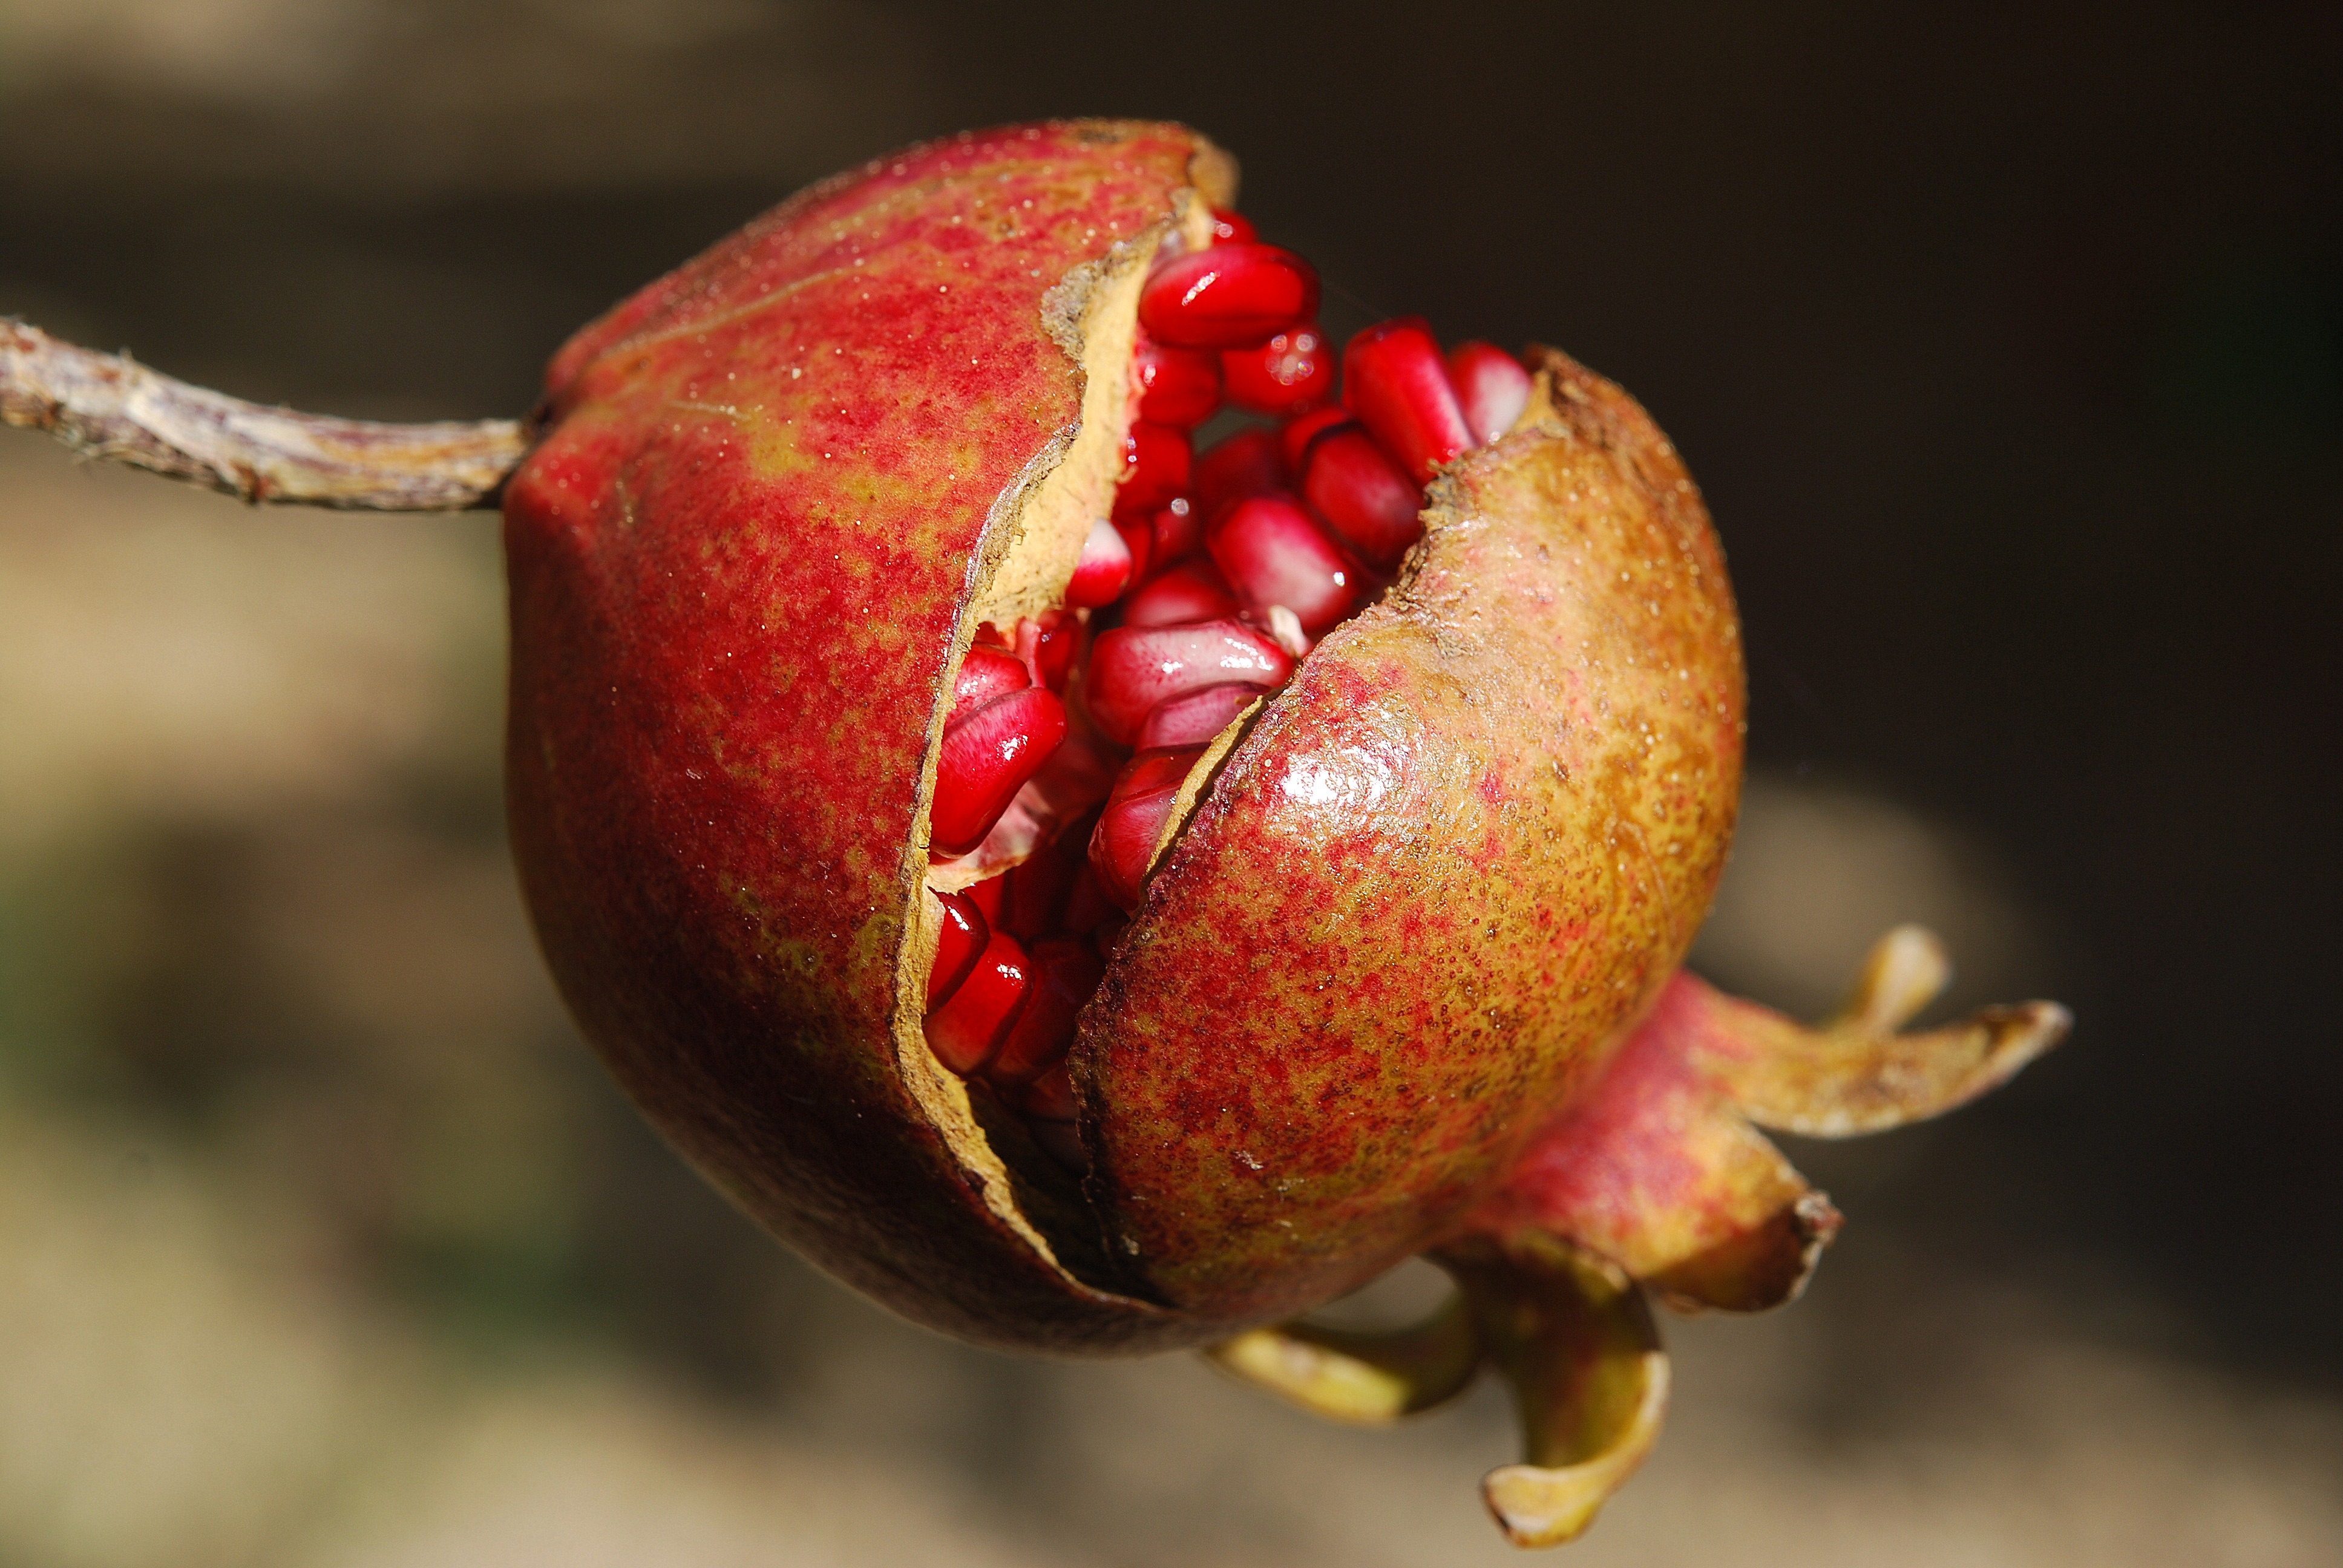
(108, 406)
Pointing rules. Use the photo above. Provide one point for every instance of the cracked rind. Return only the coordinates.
(744, 566)
(774, 490)
(1438, 875)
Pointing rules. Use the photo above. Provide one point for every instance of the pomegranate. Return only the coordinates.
(1097, 894)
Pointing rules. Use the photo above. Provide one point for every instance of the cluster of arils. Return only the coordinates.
(1215, 575)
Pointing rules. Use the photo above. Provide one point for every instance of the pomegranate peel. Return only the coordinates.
(1402, 969)
(1654, 1180)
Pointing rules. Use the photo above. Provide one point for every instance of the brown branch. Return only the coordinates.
(107, 406)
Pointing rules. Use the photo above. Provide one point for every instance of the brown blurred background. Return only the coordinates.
(2007, 342)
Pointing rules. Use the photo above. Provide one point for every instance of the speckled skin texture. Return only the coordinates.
(1457, 856)
(737, 560)
(1430, 889)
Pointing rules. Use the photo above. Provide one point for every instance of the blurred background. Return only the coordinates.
(2008, 343)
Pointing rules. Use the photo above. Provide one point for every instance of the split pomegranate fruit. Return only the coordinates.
(1108, 818)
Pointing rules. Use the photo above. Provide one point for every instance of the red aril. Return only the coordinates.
(1087, 909)
(1137, 535)
(1065, 972)
(988, 671)
(969, 1027)
(1155, 462)
(1189, 591)
(1231, 296)
(1246, 464)
(1178, 387)
(1395, 381)
(1057, 647)
(1292, 371)
(1272, 554)
(1230, 227)
(987, 757)
(1033, 890)
(1133, 668)
(1491, 389)
(986, 895)
(1177, 530)
(1123, 845)
(1195, 719)
(958, 949)
(1363, 497)
(1104, 570)
(1296, 435)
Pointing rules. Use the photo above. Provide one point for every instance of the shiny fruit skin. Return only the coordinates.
(1458, 855)
(735, 594)
(737, 560)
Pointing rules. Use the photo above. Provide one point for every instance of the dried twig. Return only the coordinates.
(107, 406)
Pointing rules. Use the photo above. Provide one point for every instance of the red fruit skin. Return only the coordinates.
(734, 591)
(1460, 854)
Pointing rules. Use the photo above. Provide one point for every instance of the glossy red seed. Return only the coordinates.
(1123, 843)
(1087, 909)
(988, 673)
(1246, 464)
(1178, 533)
(1033, 892)
(1133, 668)
(1195, 719)
(1191, 592)
(1271, 553)
(1139, 539)
(967, 1029)
(1155, 463)
(1103, 571)
(965, 935)
(1363, 497)
(986, 759)
(1296, 436)
(1051, 1097)
(1231, 296)
(1110, 930)
(1395, 381)
(1178, 387)
(1057, 644)
(1066, 972)
(1491, 389)
(1292, 371)
(986, 895)
(1229, 228)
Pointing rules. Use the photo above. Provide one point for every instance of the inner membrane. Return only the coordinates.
(1079, 737)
